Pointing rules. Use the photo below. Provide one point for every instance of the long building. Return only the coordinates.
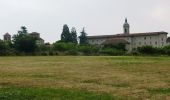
(132, 40)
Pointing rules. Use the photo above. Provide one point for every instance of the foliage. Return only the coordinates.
(116, 46)
(6, 48)
(23, 30)
(112, 51)
(149, 50)
(66, 36)
(74, 36)
(62, 47)
(166, 50)
(88, 49)
(83, 38)
(23, 42)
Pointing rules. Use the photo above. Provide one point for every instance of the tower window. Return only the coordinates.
(125, 30)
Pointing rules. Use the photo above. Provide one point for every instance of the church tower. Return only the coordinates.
(7, 37)
(126, 27)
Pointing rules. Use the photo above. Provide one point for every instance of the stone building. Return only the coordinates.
(40, 41)
(132, 40)
(7, 37)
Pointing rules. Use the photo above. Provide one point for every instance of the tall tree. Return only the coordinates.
(74, 35)
(83, 37)
(23, 42)
(23, 30)
(66, 36)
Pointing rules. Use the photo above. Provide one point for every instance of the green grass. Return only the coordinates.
(160, 91)
(84, 78)
(50, 94)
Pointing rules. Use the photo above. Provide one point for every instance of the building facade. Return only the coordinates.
(133, 40)
(39, 41)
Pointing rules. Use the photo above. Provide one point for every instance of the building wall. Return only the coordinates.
(137, 41)
(154, 40)
(96, 41)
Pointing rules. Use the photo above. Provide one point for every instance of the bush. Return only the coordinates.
(62, 47)
(88, 49)
(72, 52)
(149, 50)
(119, 46)
(112, 52)
(6, 49)
(166, 50)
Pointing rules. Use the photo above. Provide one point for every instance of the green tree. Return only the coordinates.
(3, 47)
(66, 36)
(23, 30)
(74, 36)
(83, 37)
(6, 48)
(23, 42)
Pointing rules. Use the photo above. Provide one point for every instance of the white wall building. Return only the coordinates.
(134, 40)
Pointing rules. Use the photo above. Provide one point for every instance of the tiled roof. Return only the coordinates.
(7, 34)
(126, 35)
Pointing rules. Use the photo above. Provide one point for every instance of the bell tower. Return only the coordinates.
(126, 27)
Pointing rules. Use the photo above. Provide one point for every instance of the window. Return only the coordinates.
(150, 38)
(150, 43)
(162, 39)
(139, 43)
(125, 30)
(145, 38)
(156, 43)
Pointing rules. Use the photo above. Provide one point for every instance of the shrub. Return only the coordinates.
(88, 49)
(119, 46)
(112, 51)
(149, 50)
(62, 47)
(166, 50)
(72, 52)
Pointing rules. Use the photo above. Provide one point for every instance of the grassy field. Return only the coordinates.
(84, 78)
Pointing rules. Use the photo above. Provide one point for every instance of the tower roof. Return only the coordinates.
(7, 34)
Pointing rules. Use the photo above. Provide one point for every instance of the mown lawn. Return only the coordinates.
(84, 78)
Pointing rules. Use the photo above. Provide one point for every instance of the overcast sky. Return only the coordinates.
(99, 17)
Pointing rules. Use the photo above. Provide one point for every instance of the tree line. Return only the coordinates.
(70, 44)
(24, 44)
(71, 37)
